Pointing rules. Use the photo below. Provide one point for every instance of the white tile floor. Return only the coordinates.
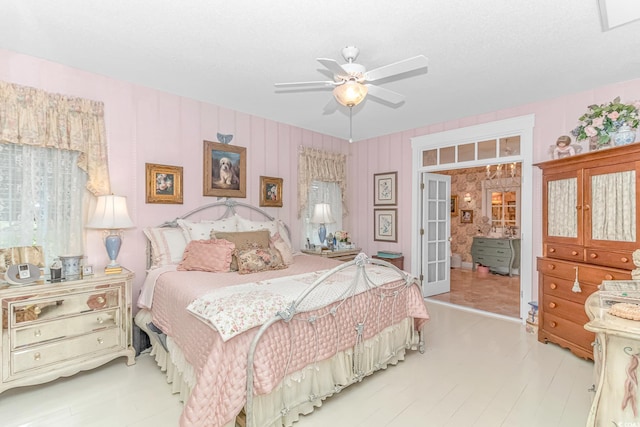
(477, 371)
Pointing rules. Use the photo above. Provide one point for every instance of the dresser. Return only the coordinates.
(51, 330)
(589, 226)
(499, 254)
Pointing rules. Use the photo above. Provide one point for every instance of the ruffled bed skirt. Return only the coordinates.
(302, 391)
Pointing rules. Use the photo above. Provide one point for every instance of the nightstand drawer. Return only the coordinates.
(50, 354)
(64, 328)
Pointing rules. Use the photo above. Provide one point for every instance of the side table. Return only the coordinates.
(339, 254)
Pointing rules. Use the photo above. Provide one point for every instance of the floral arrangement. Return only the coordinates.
(603, 120)
(342, 236)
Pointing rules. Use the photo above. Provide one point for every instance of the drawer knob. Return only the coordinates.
(608, 277)
(624, 259)
(37, 333)
(553, 324)
(36, 356)
(100, 300)
(100, 320)
(553, 286)
(37, 310)
(574, 253)
(552, 250)
(593, 255)
(100, 340)
(552, 305)
(551, 266)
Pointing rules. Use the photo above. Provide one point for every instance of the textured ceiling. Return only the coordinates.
(483, 56)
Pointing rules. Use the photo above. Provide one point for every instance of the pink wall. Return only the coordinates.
(148, 126)
(390, 153)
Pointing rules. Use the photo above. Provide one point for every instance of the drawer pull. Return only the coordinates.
(587, 207)
(100, 320)
(551, 266)
(100, 300)
(608, 277)
(593, 255)
(624, 259)
(100, 340)
(553, 324)
(553, 286)
(552, 305)
(552, 250)
(574, 253)
(37, 333)
(36, 356)
(37, 310)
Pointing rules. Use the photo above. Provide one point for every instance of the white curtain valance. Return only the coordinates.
(34, 117)
(318, 165)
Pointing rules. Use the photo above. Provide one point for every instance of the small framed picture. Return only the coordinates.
(385, 188)
(164, 183)
(385, 225)
(87, 270)
(270, 191)
(454, 205)
(466, 216)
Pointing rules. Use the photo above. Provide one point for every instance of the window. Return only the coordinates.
(42, 199)
(322, 192)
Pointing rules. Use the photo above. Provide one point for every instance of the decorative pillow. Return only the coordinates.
(281, 246)
(202, 230)
(255, 260)
(275, 226)
(167, 245)
(207, 255)
(243, 240)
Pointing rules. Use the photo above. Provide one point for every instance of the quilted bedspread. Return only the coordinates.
(219, 392)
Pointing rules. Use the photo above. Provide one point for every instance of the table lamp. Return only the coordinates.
(112, 216)
(322, 216)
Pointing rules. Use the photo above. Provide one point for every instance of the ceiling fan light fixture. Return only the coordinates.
(350, 93)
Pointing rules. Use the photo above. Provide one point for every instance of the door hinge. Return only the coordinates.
(421, 277)
(422, 231)
(422, 185)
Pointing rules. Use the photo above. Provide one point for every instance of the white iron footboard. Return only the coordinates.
(305, 309)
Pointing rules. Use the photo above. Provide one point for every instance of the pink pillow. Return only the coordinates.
(207, 255)
(281, 246)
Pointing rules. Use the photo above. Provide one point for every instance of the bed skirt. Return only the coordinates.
(303, 390)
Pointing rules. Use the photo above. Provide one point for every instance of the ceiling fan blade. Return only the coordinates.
(400, 67)
(306, 84)
(384, 94)
(333, 66)
(331, 107)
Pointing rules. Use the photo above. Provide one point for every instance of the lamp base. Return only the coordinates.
(322, 233)
(113, 242)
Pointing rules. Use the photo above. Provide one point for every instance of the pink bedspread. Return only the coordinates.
(219, 392)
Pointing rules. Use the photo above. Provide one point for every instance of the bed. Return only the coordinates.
(264, 348)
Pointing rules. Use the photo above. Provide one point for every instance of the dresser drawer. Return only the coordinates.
(568, 252)
(49, 354)
(64, 305)
(575, 333)
(492, 261)
(492, 243)
(588, 274)
(64, 328)
(562, 288)
(565, 309)
(623, 260)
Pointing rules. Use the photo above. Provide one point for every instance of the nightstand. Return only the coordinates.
(339, 254)
(51, 330)
(397, 261)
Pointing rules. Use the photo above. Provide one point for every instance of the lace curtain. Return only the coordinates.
(322, 192)
(613, 200)
(52, 150)
(317, 165)
(563, 198)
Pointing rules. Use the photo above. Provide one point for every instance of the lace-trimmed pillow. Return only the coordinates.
(274, 227)
(258, 259)
(281, 246)
(167, 245)
(202, 230)
(207, 255)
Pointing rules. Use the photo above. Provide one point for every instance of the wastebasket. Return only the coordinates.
(456, 261)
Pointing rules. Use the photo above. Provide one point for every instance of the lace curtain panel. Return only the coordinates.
(613, 200)
(318, 165)
(562, 218)
(322, 192)
(34, 117)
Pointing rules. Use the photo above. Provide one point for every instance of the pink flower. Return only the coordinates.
(597, 122)
(590, 131)
(636, 104)
(613, 115)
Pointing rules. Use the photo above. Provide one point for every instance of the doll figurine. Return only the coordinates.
(563, 148)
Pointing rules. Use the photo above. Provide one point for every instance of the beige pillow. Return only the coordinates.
(255, 260)
(243, 240)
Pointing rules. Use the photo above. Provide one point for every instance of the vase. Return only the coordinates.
(595, 144)
(624, 136)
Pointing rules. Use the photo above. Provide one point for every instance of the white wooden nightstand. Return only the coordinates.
(51, 330)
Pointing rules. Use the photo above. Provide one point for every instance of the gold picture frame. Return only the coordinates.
(466, 216)
(385, 225)
(454, 205)
(224, 170)
(271, 191)
(163, 183)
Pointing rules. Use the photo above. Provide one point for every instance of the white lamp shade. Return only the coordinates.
(322, 214)
(111, 213)
(350, 93)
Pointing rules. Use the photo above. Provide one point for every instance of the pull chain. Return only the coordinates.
(350, 125)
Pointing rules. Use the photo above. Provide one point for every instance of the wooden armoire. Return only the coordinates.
(589, 225)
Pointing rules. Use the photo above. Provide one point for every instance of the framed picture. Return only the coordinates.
(270, 191)
(87, 270)
(385, 188)
(225, 170)
(385, 225)
(164, 183)
(466, 216)
(454, 205)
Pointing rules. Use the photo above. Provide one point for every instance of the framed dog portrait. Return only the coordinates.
(270, 191)
(466, 216)
(385, 188)
(385, 225)
(225, 170)
(163, 183)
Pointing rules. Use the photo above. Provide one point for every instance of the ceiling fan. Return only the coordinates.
(351, 81)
